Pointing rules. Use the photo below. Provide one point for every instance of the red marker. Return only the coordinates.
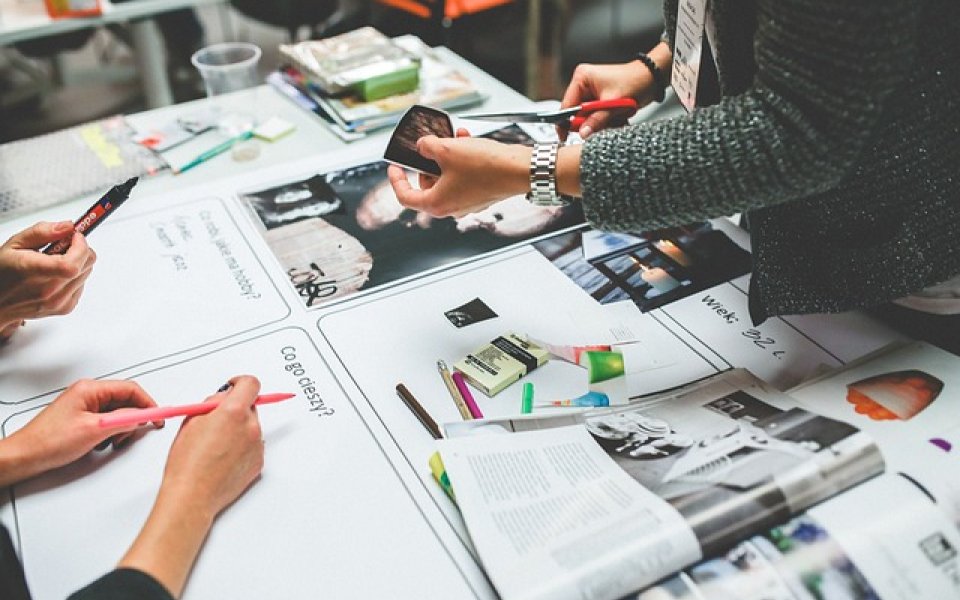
(95, 214)
(139, 416)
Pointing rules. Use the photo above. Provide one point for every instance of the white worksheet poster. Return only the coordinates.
(329, 518)
(164, 282)
(782, 350)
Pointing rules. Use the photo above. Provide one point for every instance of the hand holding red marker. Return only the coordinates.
(95, 214)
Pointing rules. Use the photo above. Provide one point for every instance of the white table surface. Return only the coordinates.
(311, 136)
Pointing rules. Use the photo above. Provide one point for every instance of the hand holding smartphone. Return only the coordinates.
(417, 122)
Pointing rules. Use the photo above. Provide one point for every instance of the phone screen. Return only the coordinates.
(417, 122)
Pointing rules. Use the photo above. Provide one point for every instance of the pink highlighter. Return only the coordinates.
(140, 416)
(467, 396)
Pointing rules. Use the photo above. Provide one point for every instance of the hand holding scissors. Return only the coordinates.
(571, 118)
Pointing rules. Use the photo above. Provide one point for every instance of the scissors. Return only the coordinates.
(572, 117)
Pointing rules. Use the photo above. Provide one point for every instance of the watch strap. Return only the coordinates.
(543, 176)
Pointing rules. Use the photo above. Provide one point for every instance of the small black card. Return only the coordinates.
(470, 313)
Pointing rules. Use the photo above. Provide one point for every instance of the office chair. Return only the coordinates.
(488, 33)
(324, 17)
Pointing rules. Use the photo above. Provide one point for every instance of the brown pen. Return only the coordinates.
(418, 411)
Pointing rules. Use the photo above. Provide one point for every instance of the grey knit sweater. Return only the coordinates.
(838, 132)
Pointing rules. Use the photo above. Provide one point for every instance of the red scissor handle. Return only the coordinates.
(587, 108)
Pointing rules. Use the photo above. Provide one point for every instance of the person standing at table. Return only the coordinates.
(834, 127)
(213, 460)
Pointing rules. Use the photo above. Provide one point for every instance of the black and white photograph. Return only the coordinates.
(344, 231)
(735, 451)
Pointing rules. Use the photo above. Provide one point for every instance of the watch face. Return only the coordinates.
(416, 123)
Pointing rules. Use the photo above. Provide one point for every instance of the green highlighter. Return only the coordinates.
(440, 474)
(526, 402)
(216, 150)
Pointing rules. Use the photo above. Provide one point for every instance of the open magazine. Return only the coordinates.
(892, 538)
(602, 503)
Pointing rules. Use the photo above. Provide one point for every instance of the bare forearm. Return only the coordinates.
(169, 542)
(18, 462)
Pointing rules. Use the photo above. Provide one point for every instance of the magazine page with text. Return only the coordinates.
(710, 464)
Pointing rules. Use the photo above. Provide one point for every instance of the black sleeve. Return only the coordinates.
(123, 584)
(12, 583)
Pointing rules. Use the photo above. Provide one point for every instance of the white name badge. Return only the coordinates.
(688, 47)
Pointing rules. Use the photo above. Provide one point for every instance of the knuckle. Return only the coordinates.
(71, 269)
(83, 386)
(234, 410)
(48, 292)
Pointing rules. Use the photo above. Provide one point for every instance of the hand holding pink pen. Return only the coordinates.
(140, 416)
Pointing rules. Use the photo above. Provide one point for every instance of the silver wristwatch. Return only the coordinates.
(543, 176)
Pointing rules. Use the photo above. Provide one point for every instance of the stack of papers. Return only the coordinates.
(441, 86)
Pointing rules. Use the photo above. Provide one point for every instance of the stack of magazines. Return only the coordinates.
(848, 488)
(350, 115)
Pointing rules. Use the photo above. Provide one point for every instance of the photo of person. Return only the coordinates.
(650, 268)
(388, 243)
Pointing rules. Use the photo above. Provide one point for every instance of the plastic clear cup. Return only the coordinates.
(226, 68)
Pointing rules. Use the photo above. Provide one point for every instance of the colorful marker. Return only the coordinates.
(467, 396)
(140, 416)
(526, 401)
(454, 392)
(440, 474)
(102, 209)
(590, 399)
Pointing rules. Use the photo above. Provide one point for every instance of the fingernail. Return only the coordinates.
(62, 227)
(225, 387)
(585, 131)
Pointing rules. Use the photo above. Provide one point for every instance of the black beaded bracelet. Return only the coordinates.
(658, 76)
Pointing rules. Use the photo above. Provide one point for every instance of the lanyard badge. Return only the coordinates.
(688, 50)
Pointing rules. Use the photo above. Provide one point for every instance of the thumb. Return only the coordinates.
(41, 234)
(243, 391)
(429, 146)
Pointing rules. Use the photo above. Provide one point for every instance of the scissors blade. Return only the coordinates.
(515, 117)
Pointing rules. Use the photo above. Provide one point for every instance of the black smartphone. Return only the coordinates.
(417, 122)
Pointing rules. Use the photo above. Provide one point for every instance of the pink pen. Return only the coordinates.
(139, 416)
(467, 396)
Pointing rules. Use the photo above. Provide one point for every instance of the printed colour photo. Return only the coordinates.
(652, 268)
